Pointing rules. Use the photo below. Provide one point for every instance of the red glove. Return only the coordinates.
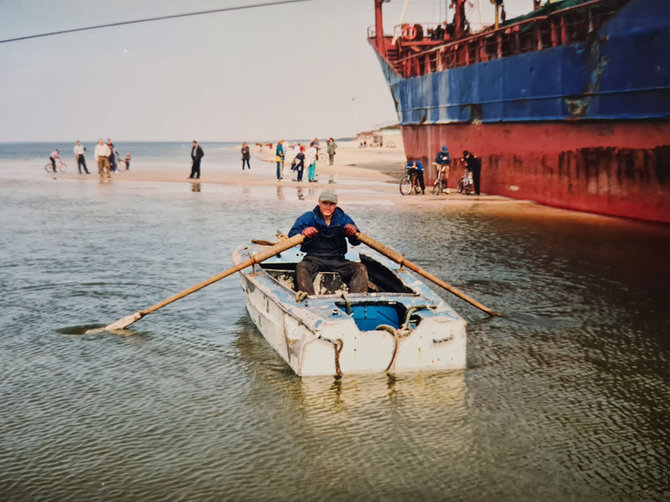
(350, 229)
(310, 232)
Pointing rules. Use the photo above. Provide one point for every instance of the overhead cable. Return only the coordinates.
(151, 19)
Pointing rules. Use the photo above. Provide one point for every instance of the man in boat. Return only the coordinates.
(326, 229)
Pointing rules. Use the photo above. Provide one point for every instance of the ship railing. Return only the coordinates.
(422, 56)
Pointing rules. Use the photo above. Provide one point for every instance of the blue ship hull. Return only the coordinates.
(583, 125)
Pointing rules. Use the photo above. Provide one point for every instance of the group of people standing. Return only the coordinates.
(106, 157)
(299, 155)
(471, 163)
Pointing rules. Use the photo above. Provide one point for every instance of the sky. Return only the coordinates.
(292, 71)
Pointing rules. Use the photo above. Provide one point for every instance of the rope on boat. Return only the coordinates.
(347, 302)
(338, 349)
(402, 332)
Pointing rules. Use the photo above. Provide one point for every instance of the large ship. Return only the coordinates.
(568, 105)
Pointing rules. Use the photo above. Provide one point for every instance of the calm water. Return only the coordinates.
(566, 398)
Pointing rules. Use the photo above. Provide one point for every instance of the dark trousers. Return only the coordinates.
(419, 174)
(355, 275)
(475, 179)
(81, 162)
(300, 169)
(195, 169)
(247, 161)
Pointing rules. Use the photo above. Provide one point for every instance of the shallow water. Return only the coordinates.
(567, 397)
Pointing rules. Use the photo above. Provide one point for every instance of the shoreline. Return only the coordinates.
(360, 175)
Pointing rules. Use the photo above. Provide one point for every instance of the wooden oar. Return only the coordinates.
(398, 258)
(257, 258)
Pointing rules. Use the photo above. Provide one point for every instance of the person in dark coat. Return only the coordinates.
(300, 163)
(474, 165)
(326, 229)
(196, 155)
(246, 156)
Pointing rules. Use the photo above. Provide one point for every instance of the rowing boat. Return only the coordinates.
(399, 325)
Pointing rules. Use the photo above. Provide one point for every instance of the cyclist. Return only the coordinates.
(416, 167)
(443, 161)
(54, 155)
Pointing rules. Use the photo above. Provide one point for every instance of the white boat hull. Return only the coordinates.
(318, 337)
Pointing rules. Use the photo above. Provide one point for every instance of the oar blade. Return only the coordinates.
(121, 324)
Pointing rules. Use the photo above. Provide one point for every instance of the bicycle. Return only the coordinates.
(465, 184)
(61, 167)
(410, 182)
(440, 184)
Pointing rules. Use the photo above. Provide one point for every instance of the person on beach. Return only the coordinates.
(315, 144)
(246, 156)
(326, 229)
(417, 167)
(332, 146)
(474, 165)
(300, 163)
(196, 155)
(127, 161)
(443, 161)
(102, 159)
(312, 153)
(279, 157)
(54, 155)
(112, 155)
(80, 156)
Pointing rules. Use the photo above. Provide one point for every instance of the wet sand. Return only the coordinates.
(360, 175)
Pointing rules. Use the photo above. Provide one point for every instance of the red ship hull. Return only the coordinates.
(571, 165)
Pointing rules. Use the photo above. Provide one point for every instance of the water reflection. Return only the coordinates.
(280, 192)
(195, 187)
(301, 196)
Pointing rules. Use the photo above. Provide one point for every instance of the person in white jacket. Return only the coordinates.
(102, 153)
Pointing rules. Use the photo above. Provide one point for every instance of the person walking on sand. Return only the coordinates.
(332, 146)
(102, 159)
(312, 153)
(300, 163)
(196, 155)
(279, 157)
(79, 155)
(127, 161)
(246, 156)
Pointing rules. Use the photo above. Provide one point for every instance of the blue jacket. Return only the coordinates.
(330, 242)
(442, 158)
(419, 165)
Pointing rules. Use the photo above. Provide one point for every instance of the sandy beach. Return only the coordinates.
(359, 174)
